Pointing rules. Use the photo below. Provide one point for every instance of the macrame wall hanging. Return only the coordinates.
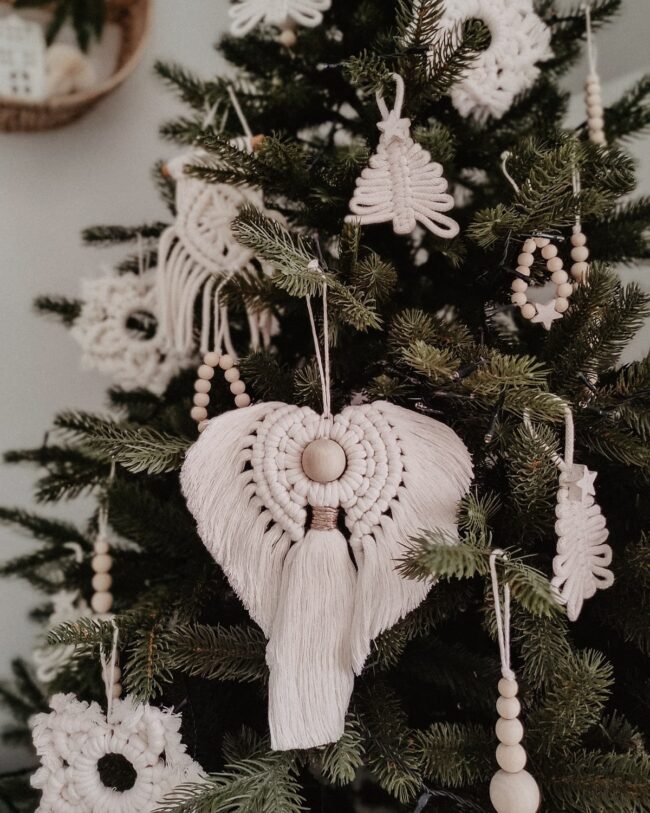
(286, 15)
(519, 39)
(281, 496)
(402, 184)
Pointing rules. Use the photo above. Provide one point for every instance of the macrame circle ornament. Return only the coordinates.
(307, 514)
(402, 184)
(508, 66)
(283, 14)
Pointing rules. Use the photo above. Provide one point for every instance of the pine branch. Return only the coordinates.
(454, 755)
(65, 310)
(53, 531)
(341, 761)
(111, 235)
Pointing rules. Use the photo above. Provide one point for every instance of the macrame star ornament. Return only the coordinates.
(402, 184)
(91, 765)
(120, 334)
(284, 14)
(519, 39)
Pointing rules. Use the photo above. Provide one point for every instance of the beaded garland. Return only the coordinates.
(593, 91)
(203, 385)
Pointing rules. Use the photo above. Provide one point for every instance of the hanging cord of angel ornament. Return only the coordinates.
(581, 564)
(307, 514)
(199, 255)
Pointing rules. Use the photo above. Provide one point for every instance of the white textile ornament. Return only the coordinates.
(284, 14)
(22, 58)
(402, 184)
(508, 66)
(271, 486)
(90, 765)
(120, 335)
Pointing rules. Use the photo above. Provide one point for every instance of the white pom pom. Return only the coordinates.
(67, 70)
(514, 792)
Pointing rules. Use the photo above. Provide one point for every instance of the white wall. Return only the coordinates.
(51, 186)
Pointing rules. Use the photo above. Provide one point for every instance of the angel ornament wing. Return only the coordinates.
(285, 14)
(402, 184)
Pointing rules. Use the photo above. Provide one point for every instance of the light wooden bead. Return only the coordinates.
(201, 385)
(598, 138)
(203, 426)
(199, 413)
(593, 84)
(540, 242)
(102, 563)
(116, 674)
(561, 305)
(555, 264)
(530, 246)
(101, 546)
(579, 271)
(242, 400)
(508, 687)
(565, 290)
(101, 602)
(519, 299)
(287, 38)
(102, 582)
(595, 110)
(519, 285)
(324, 460)
(523, 270)
(511, 758)
(578, 239)
(579, 254)
(237, 387)
(231, 375)
(508, 707)
(559, 277)
(117, 691)
(201, 399)
(549, 251)
(514, 792)
(226, 362)
(528, 311)
(526, 259)
(206, 372)
(509, 732)
(596, 122)
(211, 359)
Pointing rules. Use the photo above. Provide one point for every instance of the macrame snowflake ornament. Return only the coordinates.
(508, 66)
(284, 14)
(271, 486)
(198, 254)
(402, 184)
(120, 335)
(89, 765)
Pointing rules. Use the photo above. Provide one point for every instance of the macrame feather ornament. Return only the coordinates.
(271, 486)
(519, 39)
(284, 14)
(402, 184)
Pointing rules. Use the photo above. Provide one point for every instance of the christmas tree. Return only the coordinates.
(448, 326)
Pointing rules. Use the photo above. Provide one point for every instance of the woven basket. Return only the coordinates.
(134, 18)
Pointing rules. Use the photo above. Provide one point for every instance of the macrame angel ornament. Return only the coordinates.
(198, 254)
(519, 39)
(284, 14)
(308, 514)
(402, 184)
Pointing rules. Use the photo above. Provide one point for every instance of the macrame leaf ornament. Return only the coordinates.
(402, 184)
(308, 516)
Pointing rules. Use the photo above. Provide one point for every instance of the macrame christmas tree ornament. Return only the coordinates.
(402, 184)
(120, 335)
(271, 486)
(593, 90)
(512, 789)
(508, 66)
(284, 14)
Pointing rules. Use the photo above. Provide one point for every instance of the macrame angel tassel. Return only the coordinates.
(512, 789)
(593, 91)
(402, 184)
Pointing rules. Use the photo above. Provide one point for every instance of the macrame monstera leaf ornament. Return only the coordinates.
(402, 184)
(272, 487)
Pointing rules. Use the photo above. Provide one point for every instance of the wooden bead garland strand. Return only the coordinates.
(544, 314)
(593, 90)
(203, 385)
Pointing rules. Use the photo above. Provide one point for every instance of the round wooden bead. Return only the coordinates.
(203, 426)
(565, 290)
(578, 239)
(101, 602)
(595, 110)
(508, 687)
(211, 359)
(592, 83)
(523, 270)
(201, 399)
(526, 259)
(540, 242)
(530, 246)
(201, 385)
(579, 271)
(102, 582)
(231, 375)
(579, 254)
(519, 299)
(226, 362)
(102, 563)
(508, 707)
(116, 674)
(594, 95)
(199, 413)
(598, 137)
(117, 690)
(514, 792)
(511, 758)
(549, 251)
(596, 122)
(519, 285)
(237, 387)
(561, 304)
(559, 277)
(528, 311)
(324, 460)
(555, 264)
(287, 38)
(101, 546)
(206, 372)
(509, 732)
(242, 400)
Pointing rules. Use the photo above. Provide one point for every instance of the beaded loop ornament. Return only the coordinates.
(402, 184)
(285, 14)
(271, 486)
(508, 66)
(203, 385)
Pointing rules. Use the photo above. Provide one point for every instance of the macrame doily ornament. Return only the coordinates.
(89, 765)
(284, 14)
(271, 486)
(508, 66)
(120, 335)
(402, 184)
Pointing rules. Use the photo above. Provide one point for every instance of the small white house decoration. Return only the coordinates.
(22, 58)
